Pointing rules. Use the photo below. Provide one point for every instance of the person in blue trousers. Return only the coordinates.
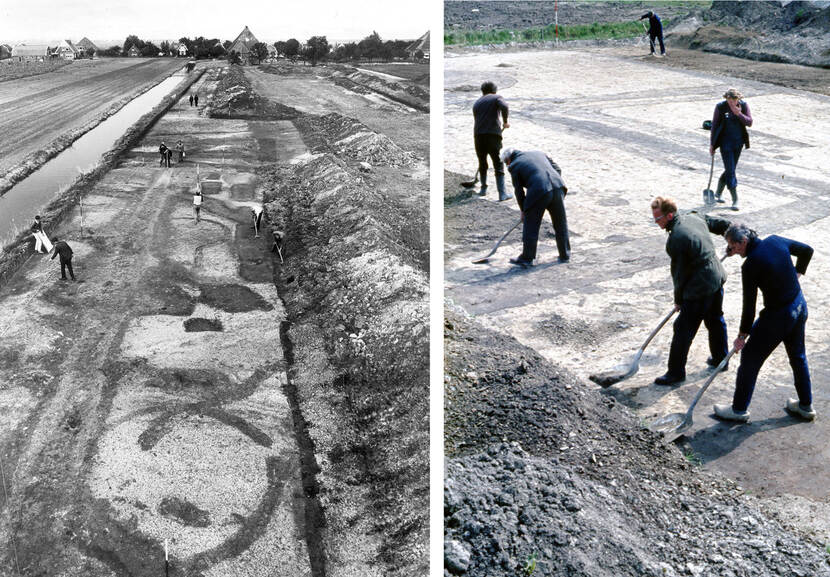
(769, 268)
(729, 124)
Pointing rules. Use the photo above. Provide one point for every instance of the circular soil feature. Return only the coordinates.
(233, 298)
(184, 512)
(196, 325)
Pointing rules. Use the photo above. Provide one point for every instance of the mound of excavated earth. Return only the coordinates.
(546, 475)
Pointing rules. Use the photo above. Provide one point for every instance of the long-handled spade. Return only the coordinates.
(622, 372)
(470, 183)
(675, 424)
(708, 193)
(486, 257)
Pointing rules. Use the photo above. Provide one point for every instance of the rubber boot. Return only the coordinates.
(721, 186)
(483, 190)
(500, 185)
(734, 193)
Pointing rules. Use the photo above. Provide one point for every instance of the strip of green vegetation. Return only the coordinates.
(595, 31)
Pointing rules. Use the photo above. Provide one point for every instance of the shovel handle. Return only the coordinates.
(655, 331)
(496, 247)
(708, 382)
(711, 170)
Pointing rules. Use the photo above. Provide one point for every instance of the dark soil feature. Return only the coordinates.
(184, 512)
(542, 466)
(561, 331)
(234, 98)
(163, 292)
(469, 217)
(233, 298)
(197, 324)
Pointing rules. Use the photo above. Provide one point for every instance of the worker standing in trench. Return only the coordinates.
(768, 267)
(698, 278)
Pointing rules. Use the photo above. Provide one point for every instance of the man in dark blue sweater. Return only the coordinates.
(769, 267)
(490, 113)
(655, 31)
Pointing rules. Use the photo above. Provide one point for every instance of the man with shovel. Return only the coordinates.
(539, 187)
(768, 266)
(487, 135)
(698, 285)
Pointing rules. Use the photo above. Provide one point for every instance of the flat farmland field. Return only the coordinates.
(37, 111)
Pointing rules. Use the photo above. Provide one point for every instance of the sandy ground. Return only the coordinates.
(147, 403)
(625, 128)
(34, 110)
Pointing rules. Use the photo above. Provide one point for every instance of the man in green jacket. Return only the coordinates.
(698, 284)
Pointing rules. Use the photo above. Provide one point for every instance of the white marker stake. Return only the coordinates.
(166, 561)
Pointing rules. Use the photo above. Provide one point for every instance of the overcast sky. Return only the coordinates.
(49, 20)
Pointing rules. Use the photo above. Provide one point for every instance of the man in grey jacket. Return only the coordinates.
(698, 278)
(539, 187)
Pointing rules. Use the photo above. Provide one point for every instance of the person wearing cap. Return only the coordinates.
(729, 124)
(768, 267)
(41, 240)
(655, 31)
(538, 186)
(487, 135)
(698, 278)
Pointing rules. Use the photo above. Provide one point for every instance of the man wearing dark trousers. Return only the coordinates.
(729, 123)
(487, 135)
(769, 268)
(655, 31)
(539, 187)
(65, 252)
(698, 279)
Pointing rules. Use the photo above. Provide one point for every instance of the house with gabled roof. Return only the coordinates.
(87, 47)
(243, 44)
(66, 50)
(133, 51)
(31, 52)
(421, 44)
(5, 51)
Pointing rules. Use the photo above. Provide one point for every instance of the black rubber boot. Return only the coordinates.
(734, 193)
(483, 190)
(721, 186)
(500, 185)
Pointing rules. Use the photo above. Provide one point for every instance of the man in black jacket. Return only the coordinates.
(655, 31)
(729, 123)
(538, 185)
(698, 279)
(487, 135)
(768, 267)
(65, 252)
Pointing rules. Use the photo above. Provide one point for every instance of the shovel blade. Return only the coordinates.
(481, 260)
(468, 184)
(615, 375)
(672, 426)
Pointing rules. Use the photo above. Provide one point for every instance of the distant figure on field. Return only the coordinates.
(278, 238)
(768, 266)
(538, 187)
(180, 150)
(698, 279)
(655, 30)
(41, 240)
(729, 124)
(65, 252)
(163, 154)
(197, 202)
(196, 99)
(168, 156)
(487, 135)
(256, 216)
(191, 100)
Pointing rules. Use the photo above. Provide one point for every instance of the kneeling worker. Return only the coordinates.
(538, 187)
(769, 267)
(698, 279)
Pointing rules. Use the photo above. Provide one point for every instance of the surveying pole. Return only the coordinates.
(556, 23)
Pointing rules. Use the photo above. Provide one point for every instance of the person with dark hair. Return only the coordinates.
(196, 99)
(655, 31)
(41, 240)
(63, 250)
(256, 216)
(729, 124)
(538, 185)
(487, 132)
(180, 150)
(698, 279)
(191, 100)
(197, 202)
(163, 153)
(768, 267)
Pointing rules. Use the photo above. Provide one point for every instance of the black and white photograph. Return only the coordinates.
(214, 285)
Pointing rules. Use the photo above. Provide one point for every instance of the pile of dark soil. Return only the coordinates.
(407, 93)
(547, 475)
(235, 98)
(349, 138)
(356, 282)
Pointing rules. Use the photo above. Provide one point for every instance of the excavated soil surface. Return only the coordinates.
(625, 127)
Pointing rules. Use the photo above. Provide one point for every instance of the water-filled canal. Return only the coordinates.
(19, 204)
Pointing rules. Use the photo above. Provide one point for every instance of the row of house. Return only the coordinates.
(66, 50)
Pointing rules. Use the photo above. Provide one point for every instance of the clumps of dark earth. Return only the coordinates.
(197, 324)
(560, 330)
(546, 475)
(184, 512)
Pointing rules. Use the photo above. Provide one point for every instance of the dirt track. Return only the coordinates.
(625, 127)
(154, 399)
(35, 110)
